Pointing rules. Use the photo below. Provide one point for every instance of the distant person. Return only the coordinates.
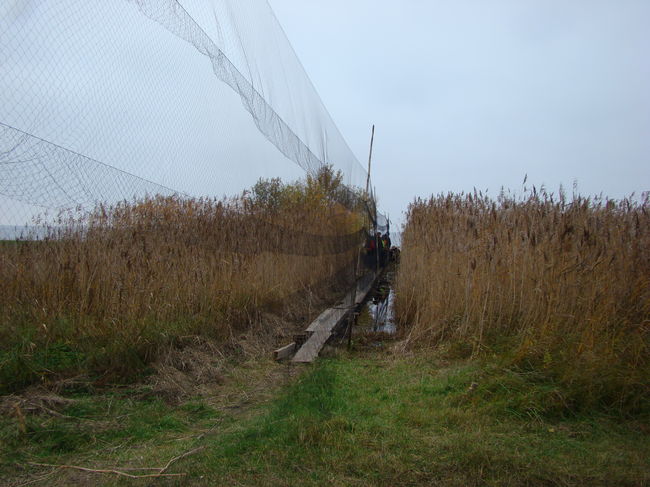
(380, 245)
(383, 248)
(394, 254)
(371, 245)
(387, 242)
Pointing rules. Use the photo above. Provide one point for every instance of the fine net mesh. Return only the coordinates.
(104, 101)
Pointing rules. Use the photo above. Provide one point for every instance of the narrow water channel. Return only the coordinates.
(375, 317)
(380, 306)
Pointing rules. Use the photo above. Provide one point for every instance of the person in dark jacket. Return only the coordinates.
(386, 240)
(384, 247)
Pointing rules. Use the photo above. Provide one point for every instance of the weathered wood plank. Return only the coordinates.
(309, 351)
(321, 328)
(285, 352)
(322, 318)
(363, 288)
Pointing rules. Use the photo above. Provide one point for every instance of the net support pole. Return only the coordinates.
(377, 239)
(372, 138)
(374, 230)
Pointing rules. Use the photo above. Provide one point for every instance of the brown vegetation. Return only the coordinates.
(108, 289)
(559, 288)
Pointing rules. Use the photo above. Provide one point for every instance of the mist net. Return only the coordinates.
(102, 101)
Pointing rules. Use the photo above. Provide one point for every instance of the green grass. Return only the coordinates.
(31, 358)
(25, 363)
(409, 422)
(354, 421)
(95, 422)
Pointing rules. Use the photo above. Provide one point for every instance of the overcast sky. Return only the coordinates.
(464, 94)
(476, 93)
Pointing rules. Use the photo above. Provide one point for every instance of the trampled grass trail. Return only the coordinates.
(360, 418)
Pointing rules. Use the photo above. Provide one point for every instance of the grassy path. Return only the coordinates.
(360, 419)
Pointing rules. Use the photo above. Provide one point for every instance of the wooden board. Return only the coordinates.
(320, 330)
(363, 288)
(285, 352)
(309, 351)
(322, 318)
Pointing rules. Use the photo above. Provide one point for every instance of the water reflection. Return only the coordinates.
(381, 309)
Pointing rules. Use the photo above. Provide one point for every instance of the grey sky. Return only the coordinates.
(184, 94)
(464, 93)
(470, 93)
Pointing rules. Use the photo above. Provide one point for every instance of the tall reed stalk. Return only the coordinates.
(105, 291)
(560, 287)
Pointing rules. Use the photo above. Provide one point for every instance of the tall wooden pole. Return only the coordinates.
(377, 240)
(352, 318)
(372, 138)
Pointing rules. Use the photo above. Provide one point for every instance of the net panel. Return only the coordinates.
(112, 100)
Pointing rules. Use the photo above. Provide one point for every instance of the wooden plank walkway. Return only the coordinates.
(285, 352)
(321, 329)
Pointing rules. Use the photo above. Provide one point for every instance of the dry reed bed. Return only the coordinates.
(559, 288)
(110, 288)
